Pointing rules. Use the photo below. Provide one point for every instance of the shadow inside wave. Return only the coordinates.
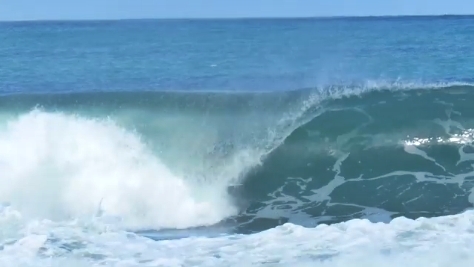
(378, 157)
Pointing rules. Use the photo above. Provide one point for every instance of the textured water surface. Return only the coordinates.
(237, 142)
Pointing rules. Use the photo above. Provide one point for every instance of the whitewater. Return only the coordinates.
(85, 191)
(312, 142)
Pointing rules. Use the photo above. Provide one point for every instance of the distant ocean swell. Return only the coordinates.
(172, 160)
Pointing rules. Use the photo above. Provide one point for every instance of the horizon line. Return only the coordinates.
(241, 18)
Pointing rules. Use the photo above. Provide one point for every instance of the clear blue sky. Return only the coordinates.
(120, 9)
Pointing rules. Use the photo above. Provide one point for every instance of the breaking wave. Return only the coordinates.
(156, 160)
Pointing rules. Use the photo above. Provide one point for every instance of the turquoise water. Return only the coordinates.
(190, 142)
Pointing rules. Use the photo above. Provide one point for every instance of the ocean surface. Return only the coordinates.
(252, 142)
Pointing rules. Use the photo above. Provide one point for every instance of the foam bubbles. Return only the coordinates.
(443, 241)
(58, 166)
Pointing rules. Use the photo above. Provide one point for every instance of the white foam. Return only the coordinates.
(443, 241)
(58, 166)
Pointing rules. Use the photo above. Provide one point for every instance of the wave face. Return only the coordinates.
(251, 161)
(379, 155)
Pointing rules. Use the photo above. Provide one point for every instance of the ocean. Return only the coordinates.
(241, 142)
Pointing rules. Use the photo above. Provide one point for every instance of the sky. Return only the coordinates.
(131, 9)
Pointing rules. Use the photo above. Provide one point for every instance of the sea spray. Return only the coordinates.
(57, 166)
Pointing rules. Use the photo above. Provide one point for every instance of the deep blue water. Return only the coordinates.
(244, 55)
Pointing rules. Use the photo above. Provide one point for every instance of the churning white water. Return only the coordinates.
(73, 188)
